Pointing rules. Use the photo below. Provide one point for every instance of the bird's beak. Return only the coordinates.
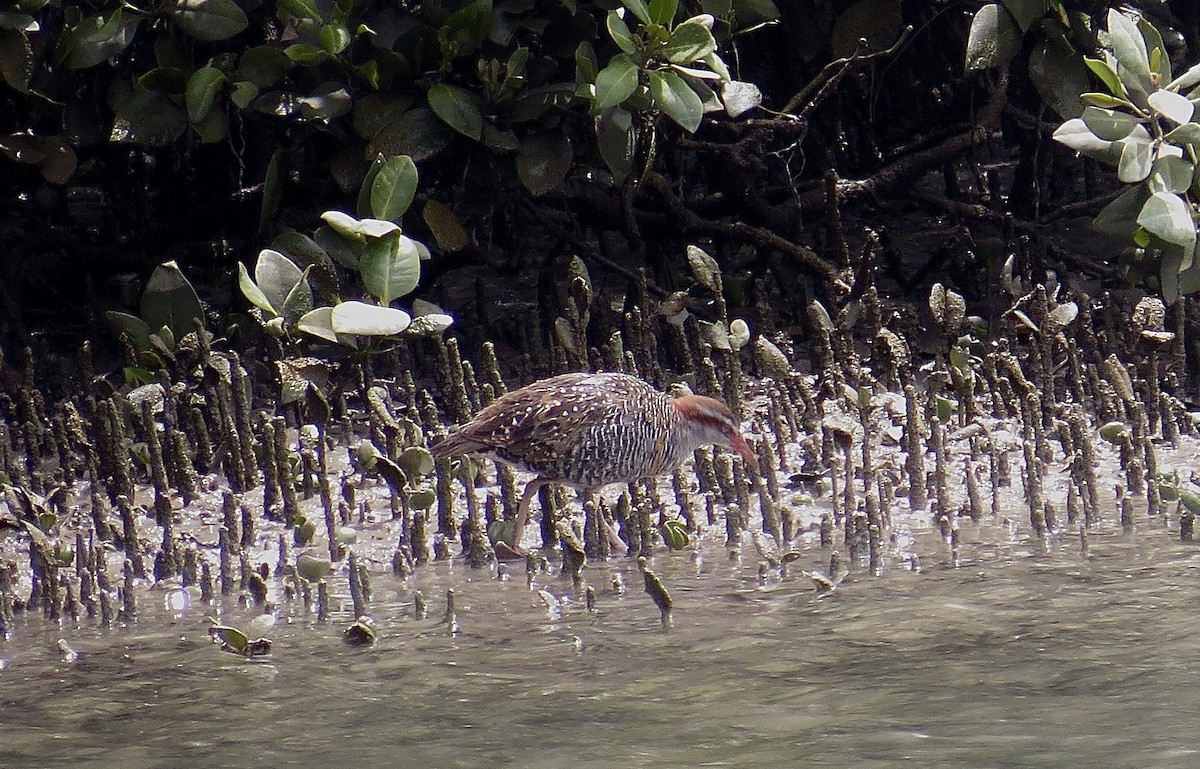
(738, 444)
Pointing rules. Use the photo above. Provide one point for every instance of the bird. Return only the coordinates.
(589, 430)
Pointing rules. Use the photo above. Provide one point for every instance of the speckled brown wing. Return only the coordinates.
(575, 428)
(510, 421)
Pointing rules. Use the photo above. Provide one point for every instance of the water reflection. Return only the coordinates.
(1020, 657)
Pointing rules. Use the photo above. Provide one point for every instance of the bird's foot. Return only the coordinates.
(507, 552)
(616, 545)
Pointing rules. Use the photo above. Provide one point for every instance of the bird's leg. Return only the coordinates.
(615, 543)
(531, 490)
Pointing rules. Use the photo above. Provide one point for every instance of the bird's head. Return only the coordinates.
(711, 421)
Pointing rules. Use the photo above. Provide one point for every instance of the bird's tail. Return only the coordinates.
(454, 445)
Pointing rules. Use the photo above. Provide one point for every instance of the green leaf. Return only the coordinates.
(50, 154)
(16, 20)
(616, 138)
(169, 300)
(515, 66)
(311, 567)
(1186, 80)
(662, 12)
(16, 59)
(620, 33)
(164, 80)
(252, 292)
(416, 462)
(1026, 12)
(1137, 156)
(1191, 500)
(334, 38)
(162, 346)
(417, 133)
(499, 140)
(363, 205)
(319, 323)
(1128, 46)
(457, 108)
(231, 637)
(691, 41)
(328, 101)
(615, 83)
(1114, 432)
(1059, 77)
(377, 228)
(299, 300)
(1160, 62)
(369, 71)
(1119, 218)
(301, 9)
(345, 225)
(1169, 267)
(393, 188)
(1171, 173)
(718, 66)
(390, 267)
(446, 228)
(363, 319)
(878, 22)
(243, 94)
(209, 20)
(305, 253)
(1103, 100)
(1171, 105)
(1109, 125)
(1075, 134)
(96, 39)
(696, 73)
(1107, 75)
(131, 326)
(345, 252)
(674, 534)
(1187, 134)
(202, 89)
(677, 99)
(543, 161)
(423, 499)
(750, 13)
(373, 111)
(303, 53)
(264, 65)
(994, 38)
(1189, 277)
(144, 117)
(272, 192)
(276, 276)
(586, 66)
(639, 9)
(1169, 218)
(704, 268)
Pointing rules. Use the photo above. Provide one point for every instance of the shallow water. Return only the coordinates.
(1011, 655)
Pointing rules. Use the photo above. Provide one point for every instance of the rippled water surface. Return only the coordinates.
(1018, 656)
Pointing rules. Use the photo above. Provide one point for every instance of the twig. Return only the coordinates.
(687, 221)
(834, 71)
(587, 251)
(1089, 206)
(900, 172)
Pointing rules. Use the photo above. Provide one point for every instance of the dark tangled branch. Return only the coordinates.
(689, 222)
